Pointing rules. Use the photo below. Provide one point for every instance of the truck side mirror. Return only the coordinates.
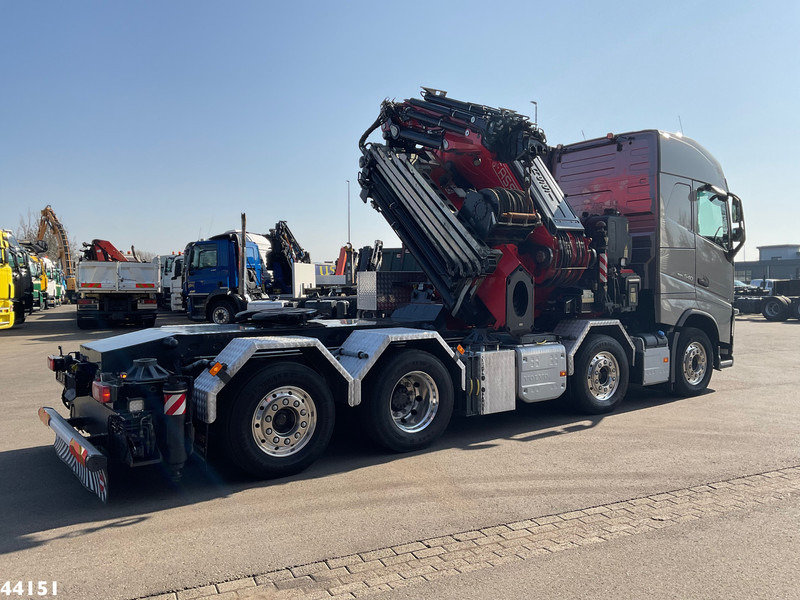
(738, 235)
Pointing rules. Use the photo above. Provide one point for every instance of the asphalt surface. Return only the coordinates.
(154, 537)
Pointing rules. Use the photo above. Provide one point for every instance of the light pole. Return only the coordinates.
(348, 211)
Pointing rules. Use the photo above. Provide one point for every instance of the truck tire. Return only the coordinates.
(693, 362)
(775, 308)
(221, 312)
(796, 308)
(600, 380)
(87, 323)
(409, 403)
(280, 421)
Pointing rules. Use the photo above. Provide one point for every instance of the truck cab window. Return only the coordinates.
(712, 218)
(207, 258)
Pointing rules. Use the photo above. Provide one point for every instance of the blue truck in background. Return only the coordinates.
(211, 278)
(211, 272)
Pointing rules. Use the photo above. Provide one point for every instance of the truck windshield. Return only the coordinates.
(712, 218)
(167, 264)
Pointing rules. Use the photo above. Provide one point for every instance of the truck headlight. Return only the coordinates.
(136, 405)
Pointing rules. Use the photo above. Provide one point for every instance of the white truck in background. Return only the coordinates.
(174, 285)
(171, 282)
(113, 289)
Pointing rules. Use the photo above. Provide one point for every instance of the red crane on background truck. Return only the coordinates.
(562, 271)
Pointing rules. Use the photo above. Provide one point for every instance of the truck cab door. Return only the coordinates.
(713, 259)
(203, 275)
(253, 265)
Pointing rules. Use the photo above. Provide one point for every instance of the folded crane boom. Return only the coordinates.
(465, 188)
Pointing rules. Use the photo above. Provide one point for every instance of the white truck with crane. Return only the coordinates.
(114, 289)
(563, 271)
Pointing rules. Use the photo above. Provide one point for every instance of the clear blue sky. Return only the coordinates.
(152, 123)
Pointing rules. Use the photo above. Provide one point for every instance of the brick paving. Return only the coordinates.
(415, 563)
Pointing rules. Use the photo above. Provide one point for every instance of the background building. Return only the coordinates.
(781, 261)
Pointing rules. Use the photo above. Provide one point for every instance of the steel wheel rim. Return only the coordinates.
(284, 421)
(221, 315)
(602, 376)
(772, 309)
(414, 402)
(695, 363)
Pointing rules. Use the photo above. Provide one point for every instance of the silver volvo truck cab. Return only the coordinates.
(685, 225)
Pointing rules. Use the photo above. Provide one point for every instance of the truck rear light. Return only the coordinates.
(136, 405)
(101, 392)
(147, 304)
(56, 362)
(88, 304)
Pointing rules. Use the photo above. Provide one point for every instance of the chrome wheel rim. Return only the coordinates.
(414, 402)
(602, 376)
(284, 421)
(695, 363)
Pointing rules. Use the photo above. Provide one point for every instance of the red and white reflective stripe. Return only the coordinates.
(79, 452)
(603, 267)
(175, 404)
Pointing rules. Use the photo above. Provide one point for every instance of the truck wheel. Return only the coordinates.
(775, 308)
(693, 362)
(280, 421)
(221, 312)
(409, 404)
(796, 308)
(86, 323)
(600, 380)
